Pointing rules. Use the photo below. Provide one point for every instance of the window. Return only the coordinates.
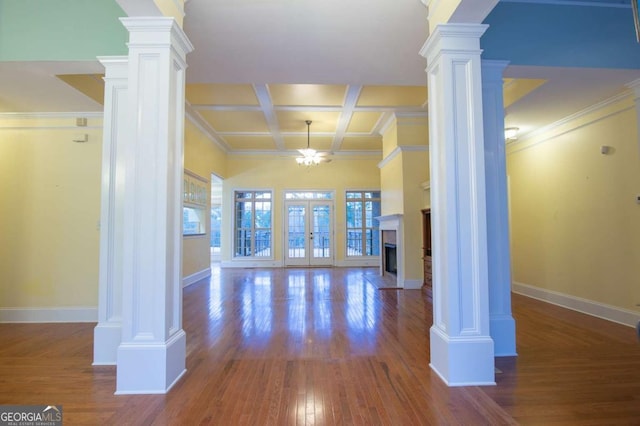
(193, 221)
(363, 238)
(194, 204)
(308, 195)
(252, 224)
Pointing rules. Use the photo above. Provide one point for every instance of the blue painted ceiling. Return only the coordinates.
(583, 34)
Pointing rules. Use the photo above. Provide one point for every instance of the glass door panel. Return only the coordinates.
(322, 247)
(308, 237)
(296, 234)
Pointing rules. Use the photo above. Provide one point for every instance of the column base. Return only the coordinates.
(106, 339)
(462, 361)
(150, 368)
(503, 332)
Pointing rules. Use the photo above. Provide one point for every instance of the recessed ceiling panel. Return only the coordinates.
(254, 143)
(319, 143)
(393, 96)
(221, 94)
(91, 85)
(307, 94)
(361, 143)
(236, 121)
(363, 122)
(294, 121)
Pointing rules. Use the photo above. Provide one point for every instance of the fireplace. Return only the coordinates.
(390, 258)
(391, 264)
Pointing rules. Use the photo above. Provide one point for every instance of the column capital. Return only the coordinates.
(494, 67)
(150, 31)
(451, 38)
(115, 66)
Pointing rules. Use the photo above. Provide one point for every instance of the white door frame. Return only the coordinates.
(309, 258)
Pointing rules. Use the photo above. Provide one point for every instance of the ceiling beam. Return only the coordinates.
(349, 104)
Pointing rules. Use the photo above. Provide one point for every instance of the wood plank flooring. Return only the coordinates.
(325, 346)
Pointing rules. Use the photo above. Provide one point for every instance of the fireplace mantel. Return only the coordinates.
(390, 221)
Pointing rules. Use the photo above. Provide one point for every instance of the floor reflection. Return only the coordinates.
(296, 311)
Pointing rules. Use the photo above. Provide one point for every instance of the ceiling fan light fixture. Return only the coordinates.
(310, 156)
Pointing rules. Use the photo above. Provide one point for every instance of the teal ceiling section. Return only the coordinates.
(562, 35)
(60, 30)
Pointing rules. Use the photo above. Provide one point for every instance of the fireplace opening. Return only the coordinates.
(390, 259)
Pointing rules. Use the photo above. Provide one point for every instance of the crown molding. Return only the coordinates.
(204, 127)
(517, 144)
(49, 116)
(32, 115)
(295, 153)
(399, 149)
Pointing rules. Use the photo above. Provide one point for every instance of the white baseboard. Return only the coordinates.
(69, 314)
(251, 264)
(413, 284)
(358, 263)
(589, 307)
(195, 277)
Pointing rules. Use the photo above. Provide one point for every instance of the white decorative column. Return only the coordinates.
(461, 348)
(151, 357)
(107, 334)
(502, 324)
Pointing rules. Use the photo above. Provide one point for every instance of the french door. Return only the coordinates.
(308, 233)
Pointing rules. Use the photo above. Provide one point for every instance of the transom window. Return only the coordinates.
(252, 223)
(363, 237)
(308, 195)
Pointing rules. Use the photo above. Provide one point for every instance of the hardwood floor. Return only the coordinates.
(325, 346)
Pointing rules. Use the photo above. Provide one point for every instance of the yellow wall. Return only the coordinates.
(50, 211)
(401, 177)
(282, 173)
(416, 171)
(575, 221)
(391, 184)
(390, 139)
(49, 214)
(203, 158)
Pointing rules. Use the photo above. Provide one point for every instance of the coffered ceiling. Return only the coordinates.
(271, 117)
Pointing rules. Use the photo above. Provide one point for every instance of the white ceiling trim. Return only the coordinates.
(32, 115)
(547, 129)
(206, 107)
(205, 128)
(310, 108)
(404, 148)
(264, 98)
(349, 103)
(292, 153)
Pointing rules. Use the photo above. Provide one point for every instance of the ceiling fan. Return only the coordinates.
(311, 157)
